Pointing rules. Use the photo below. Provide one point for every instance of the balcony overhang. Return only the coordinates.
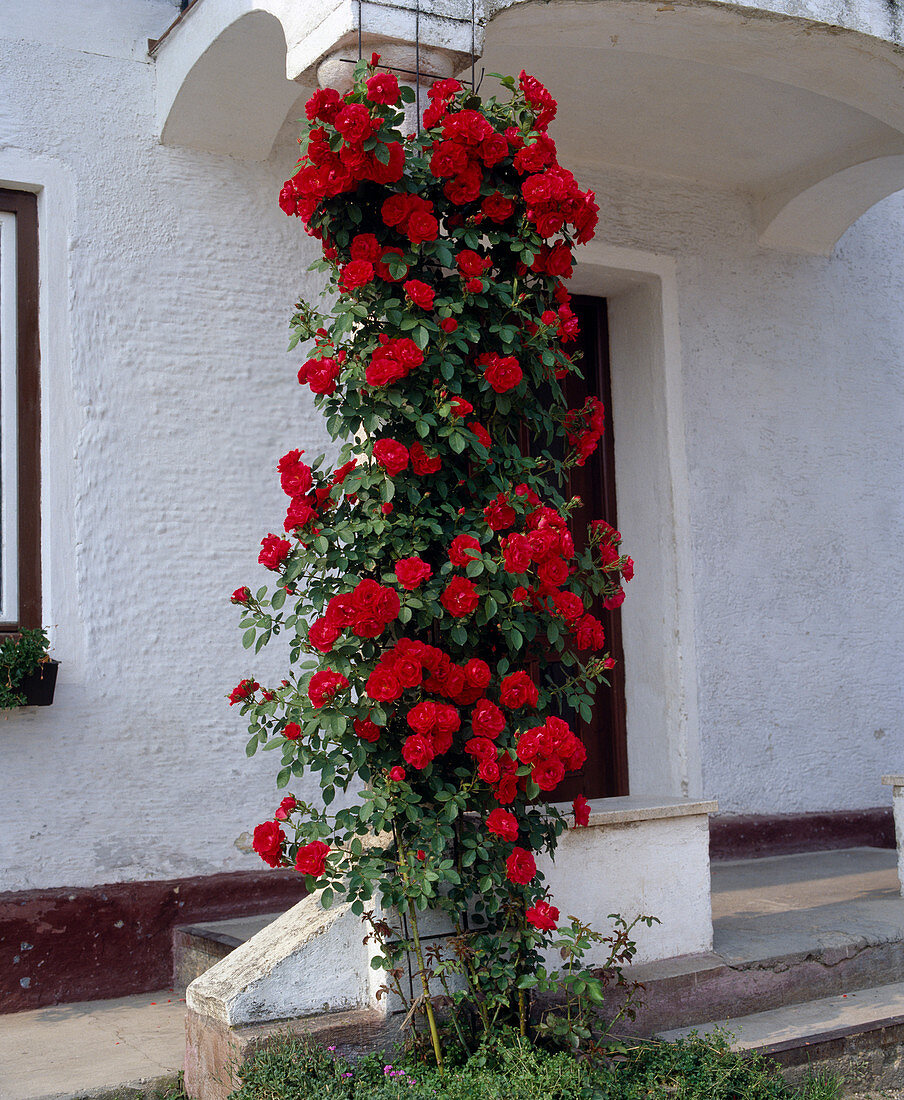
(804, 118)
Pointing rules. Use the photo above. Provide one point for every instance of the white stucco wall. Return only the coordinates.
(793, 403)
(882, 18)
(168, 277)
(168, 280)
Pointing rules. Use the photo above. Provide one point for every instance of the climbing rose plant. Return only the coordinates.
(441, 621)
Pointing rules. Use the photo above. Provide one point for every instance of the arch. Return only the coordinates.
(815, 218)
(233, 97)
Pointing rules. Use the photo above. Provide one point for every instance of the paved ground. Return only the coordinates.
(56, 1053)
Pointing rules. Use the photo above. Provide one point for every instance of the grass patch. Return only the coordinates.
(692, 1069)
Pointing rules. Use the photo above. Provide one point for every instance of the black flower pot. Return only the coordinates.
(38, 686)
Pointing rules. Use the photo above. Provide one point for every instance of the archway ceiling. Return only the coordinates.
(806, 120)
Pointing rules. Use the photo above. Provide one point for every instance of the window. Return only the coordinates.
(20, 414)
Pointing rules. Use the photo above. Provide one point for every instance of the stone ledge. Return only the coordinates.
(630, 808)
(893, 780)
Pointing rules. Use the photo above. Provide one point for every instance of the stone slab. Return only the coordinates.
(198, 947)
(811, 1021)
(617, 811)
(787, 929)
(92, 1047)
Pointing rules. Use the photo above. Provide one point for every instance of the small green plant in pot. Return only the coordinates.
(27, 672)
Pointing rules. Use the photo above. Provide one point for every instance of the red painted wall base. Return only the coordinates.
(751, 836)
(85, 944)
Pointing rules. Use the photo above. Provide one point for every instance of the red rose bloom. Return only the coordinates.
(367, 730)
(488, 771)
(311, 858)
(355, 123)
(274, 551)
(460, 597)
(295, 475)
(487, 720)
(460, 407)
(422, 463)
(502, 823)
(482, 748)
(448, 324)
(538, 98)
(470, 264)
(477, 673)
(553, 571)
(383, 88)
(516, 553)
(285, 807)
(324, 685)
(497, 208)
(502, 372)
(320, 374)
(242, 690)
(420, 293)
(322, 634)
(569, 605)
(366, 247)
(548, 774)
(448, 720)
(324, 104)
(422, 717)
(542, 915)
(397, 774)
(459, 547)
(520, 867)
(422, 226)
(291, 731)
(418, 751)
(392, 456)
(383, 685)
(482, 434)
(518, 690)
(412, 572)
(581, 811)
(589, 633)
(268, 842)
(396, 209)
(499, 514)
(355, 274)
(241, 595)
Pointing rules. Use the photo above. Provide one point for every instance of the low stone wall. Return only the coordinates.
(309, 971)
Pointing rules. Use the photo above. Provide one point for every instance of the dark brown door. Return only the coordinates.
(605, 773)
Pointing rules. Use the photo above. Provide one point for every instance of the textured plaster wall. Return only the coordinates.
(793, 394)
(882, 18)
(168, 278)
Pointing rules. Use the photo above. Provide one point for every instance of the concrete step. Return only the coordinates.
(858, 1035)
(196, 947)
(129, 1046)
(787, 930)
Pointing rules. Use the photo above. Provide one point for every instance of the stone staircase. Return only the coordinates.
(807, 966)
(807, 962)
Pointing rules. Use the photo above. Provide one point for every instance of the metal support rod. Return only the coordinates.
(417, 63)
(473, 42)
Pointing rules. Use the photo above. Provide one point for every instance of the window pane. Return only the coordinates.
(9, 611)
